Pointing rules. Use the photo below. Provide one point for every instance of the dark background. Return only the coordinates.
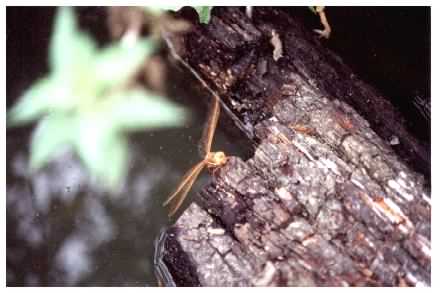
(389, 48)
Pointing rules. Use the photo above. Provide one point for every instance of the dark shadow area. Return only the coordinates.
(389, 48)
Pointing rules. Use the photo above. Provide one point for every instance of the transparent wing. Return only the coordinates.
(211, 124)
(177, 201)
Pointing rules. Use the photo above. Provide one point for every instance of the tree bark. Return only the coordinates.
(325, 200)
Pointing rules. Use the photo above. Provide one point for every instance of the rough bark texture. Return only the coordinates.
(325, 200)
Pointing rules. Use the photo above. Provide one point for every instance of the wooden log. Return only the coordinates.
(325, 200)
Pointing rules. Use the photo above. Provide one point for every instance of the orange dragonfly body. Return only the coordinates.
(211, 160)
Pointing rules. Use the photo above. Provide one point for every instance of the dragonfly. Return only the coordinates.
(211, 160)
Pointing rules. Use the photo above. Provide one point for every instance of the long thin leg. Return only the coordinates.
(209, 130)
(185, 179)
(175, 205)
(325, 33)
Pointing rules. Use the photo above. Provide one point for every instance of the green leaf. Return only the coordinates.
(86, 105)
(117, 63)
(64, 29)
(138, 109)
(313, 9)
(204, 13)
(52, 134)
(69, 47)
(44, 96)
(159, 9)
(116, 166)
(103, 151)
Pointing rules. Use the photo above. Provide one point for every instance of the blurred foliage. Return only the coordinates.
(313, 9)
(85, 103)
(204, 12)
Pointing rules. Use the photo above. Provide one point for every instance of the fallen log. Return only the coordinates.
(325, 200)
